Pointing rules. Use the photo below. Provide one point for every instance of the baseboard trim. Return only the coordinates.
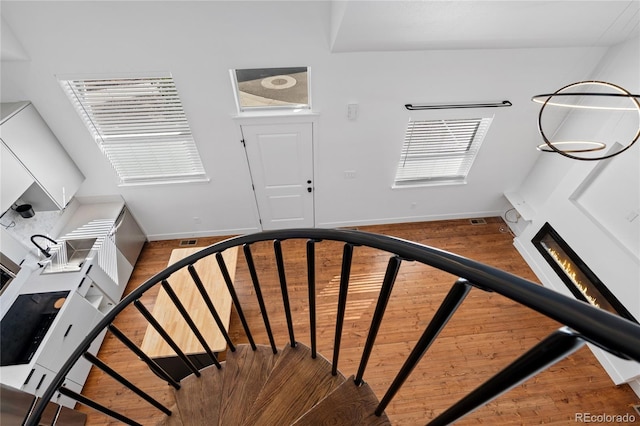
(407, 219)
(202, 234)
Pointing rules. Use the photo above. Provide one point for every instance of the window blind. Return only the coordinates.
(140, 126)
(440, 150)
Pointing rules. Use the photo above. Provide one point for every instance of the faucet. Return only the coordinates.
(45, 252)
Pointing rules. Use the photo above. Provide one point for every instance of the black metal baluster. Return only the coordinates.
(209, 303)
(552, 349)
(136, 350)
(56, 416)
(96, 406)
(311, 280)
(115, 375)
(234, 297)
(442, 316)
(383, 298)
(178, 304)
(347, 255)
(277, 246)
(256, 286)
(154, 323)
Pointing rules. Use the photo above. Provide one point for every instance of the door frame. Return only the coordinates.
(262, 118)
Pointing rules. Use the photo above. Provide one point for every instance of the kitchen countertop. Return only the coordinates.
(81, 212)
(23, 228)
(58, 223)
(37, 282)
(34, 281)
(90, 218)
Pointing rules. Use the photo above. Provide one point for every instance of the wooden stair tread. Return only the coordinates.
(347, 405)
(245, 373)
(198, 398)
(173, 420)
(297, 382)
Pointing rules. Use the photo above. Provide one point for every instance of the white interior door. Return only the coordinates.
(281, 162)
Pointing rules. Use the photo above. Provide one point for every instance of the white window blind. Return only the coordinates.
(140, 126)
(436, 151)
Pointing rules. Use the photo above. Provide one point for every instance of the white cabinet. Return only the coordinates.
(65, 400)
(15, 179)
(72, 325)
(120, 240)
(31, 141)
(98, 298)
(38, 380)
(83, 309)
(125, 269)
(99, 289)
(80, 371)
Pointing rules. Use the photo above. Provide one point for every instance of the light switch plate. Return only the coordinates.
(352, 112)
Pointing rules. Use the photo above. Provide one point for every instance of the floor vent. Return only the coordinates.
(478, 221)
(188, 243)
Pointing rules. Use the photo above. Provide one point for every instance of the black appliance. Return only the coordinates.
(25, 325)
(8, 271)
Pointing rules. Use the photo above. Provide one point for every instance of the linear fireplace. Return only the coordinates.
(575, 274)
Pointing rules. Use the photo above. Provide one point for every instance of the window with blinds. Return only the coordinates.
(440, 151)
(140, 126)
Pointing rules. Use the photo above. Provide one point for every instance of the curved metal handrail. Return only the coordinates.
(612, 333)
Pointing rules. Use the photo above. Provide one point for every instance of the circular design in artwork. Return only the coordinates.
(278, 82)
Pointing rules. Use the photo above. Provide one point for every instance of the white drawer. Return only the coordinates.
(38, 380)
(70, 328)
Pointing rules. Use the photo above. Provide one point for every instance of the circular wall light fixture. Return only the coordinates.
(602, 97)
(573, 146)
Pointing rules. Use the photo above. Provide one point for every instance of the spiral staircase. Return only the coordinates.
(263, 384)
(248, 390)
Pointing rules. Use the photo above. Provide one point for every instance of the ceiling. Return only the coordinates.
(358, 26)
(379, 55)
(423, 25)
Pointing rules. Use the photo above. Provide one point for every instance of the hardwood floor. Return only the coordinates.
(486, 333)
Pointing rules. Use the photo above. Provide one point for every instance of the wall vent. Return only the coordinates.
(188, 243)
(478, 221)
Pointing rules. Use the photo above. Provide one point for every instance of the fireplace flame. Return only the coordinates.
(568, 269)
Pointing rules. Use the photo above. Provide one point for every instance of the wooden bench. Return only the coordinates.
(165, 312)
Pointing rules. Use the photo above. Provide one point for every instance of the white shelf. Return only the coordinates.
(525, 210)
(95, 300)
(98, 300)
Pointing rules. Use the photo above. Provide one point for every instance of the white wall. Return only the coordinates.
(382, 83)
(198, 42)
(589, 204)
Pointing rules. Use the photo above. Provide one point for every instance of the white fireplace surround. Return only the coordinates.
(593, 205)
(603, 233)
